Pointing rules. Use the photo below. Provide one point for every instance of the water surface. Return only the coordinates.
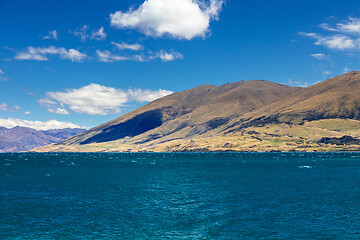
(180, 196)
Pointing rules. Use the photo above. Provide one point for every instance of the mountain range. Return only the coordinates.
(20, 139)
(252, 115)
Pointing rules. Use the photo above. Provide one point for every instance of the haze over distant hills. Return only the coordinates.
(252, 115)
(19, 139)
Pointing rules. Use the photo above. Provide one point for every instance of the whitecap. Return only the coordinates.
(305, 167)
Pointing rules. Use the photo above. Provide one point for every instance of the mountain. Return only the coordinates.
(338, 97)
(19, 139)
(252, 115)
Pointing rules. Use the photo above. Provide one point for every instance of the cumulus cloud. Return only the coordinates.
(52, 35)
(38, 125)
(41, 54)
(107, 56)
(183, 19)
(168, 56)
(99, 34)
(6, 107)
(134, 47)
(319, 56)
(95, 99)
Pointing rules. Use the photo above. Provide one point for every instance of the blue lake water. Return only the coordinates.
(180, 196)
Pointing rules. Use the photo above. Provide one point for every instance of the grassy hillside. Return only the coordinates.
(270, 137)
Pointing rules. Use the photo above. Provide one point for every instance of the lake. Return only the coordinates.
(180, 196)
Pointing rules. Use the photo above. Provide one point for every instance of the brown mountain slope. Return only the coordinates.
(338, 97)
(198, 109)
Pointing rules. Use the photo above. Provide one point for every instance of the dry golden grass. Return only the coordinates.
(271, 137)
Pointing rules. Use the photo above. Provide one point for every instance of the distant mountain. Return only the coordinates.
(19, 139)
(252, 115)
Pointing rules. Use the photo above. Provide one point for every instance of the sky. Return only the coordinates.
(82, 63)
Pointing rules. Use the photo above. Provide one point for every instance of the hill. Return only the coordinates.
(252, 115)
(335, 98)
(19, 139)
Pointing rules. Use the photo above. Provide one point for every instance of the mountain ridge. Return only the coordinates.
(194, 118)
(19, 139)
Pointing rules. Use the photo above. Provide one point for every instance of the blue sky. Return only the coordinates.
(88, 62)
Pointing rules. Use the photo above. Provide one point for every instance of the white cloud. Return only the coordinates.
(99, 34)
(84, 35)
(134, 47)
(46, 102)
(351, 26)
(107, 56)
(146, 95)
(168, 56)
(301, 84)
(183, 19)
(40, 54)
(52, 35)
(326, 73)
(293, 83)
(138, 58)
(81, 32)
(1, 71)
(343, 36)
(338, 42)
(319, 56)
(53, 106)
(61, 111)
(95, 99)
(5, 107)
(27, 112)
(38, 125)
